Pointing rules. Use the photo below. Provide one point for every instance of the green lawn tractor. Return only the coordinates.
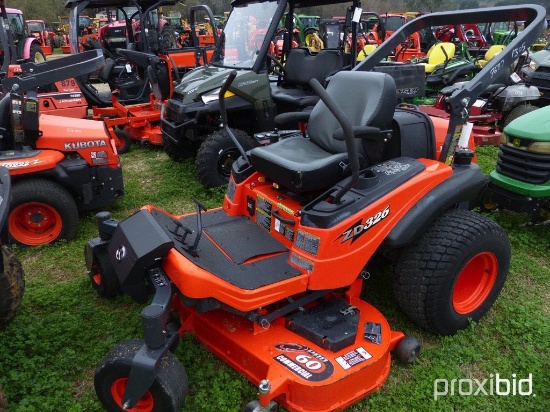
(521, 181)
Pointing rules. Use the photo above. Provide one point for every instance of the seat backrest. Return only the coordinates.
(437, 55)
(367, 99)
(301, 65)
(493, 51)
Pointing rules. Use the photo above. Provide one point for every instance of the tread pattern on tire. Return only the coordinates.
(207, 158)
(171, 375)
(51, 193)
(518, 111)
(424, 266)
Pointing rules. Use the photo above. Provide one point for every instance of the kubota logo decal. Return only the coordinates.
(359, 228)
(89, 144)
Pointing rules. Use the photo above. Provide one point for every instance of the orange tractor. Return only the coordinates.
(58, 165)
(37, 28)
(271, 281)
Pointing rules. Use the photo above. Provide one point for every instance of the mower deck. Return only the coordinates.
(297, 368)
(140, 121)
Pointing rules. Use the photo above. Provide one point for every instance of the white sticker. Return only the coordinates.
(357, 15)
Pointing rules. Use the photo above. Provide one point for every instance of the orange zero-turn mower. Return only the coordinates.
(271, 281)
(58, 165)
(141, 122)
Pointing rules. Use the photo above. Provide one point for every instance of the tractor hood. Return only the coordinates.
(523, 126)
(204, 81)
(541, 58)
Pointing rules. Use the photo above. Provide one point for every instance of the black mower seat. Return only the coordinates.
(300, 67)
(303, 165)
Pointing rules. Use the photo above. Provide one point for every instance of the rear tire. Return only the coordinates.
(518, 111)
(41, 211)
(36, 54)
(12, 286)
(453, 273)
(166, 394)
(216, 156)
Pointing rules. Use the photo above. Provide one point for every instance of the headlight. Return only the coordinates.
(214, 95)
(539, 147)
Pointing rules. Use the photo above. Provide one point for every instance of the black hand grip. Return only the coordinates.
(224, 89)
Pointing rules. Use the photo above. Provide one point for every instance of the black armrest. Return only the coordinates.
(360, 132)
(284, 118)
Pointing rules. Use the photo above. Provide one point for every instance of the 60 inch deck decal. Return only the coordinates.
(359, 228)
(304, 362)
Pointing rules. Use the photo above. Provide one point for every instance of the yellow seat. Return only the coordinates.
(490, 53)
(438, 54)
(365, 51)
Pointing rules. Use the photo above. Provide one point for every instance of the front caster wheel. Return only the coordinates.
(254, 406)
(166, 394)
(408, 349)
(103, 276)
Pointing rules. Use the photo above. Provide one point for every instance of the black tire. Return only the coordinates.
(36, 54)
(518, 111)
(122, 141)
(167, 392)
(407, 349)
(103, 276)
(178, 152)
(12, 285)
(52, 211)
(57, 42)
(169, 40)
(453, 272)
(216, 155)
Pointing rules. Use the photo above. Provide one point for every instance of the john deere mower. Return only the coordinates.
(270, 282)
(521, 181)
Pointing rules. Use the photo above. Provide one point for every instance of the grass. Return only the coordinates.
(48, 352)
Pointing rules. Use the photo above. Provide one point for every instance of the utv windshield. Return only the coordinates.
(36, 26)
(243, 35)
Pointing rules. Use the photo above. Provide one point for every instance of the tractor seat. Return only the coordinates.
(438, 54)
(300, 67)
(320, 161)
(490, 53)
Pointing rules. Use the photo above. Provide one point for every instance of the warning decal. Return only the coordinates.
(304, 362)
(353, 358)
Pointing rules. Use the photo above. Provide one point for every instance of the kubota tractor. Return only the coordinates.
(58, 165)
(271, 281)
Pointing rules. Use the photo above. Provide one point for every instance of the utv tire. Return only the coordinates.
(216, 156)
(453, 273)
(166, 394)
(178, 152)
(12, 285)
(169, 40)
(41, 211)
(122, 141)
(36, 54)
(103, 276)
(518, 111)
